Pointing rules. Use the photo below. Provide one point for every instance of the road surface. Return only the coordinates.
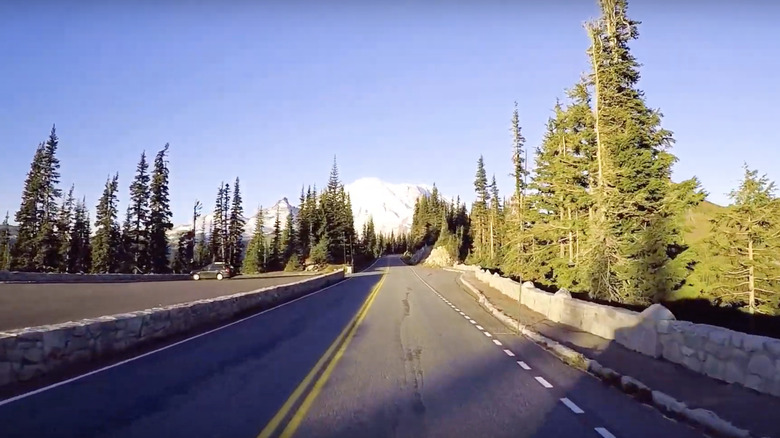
(32, 304)
(405, 353)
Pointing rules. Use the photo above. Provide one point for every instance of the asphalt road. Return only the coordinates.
(414, 366)
(32, 304)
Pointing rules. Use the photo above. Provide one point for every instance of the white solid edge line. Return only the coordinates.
(570, 404)
(604, 432)
(509, 353)
(488, 334)
(479, 327)
(523, 365)
(543, 382)
(497, 342)
(166, 347)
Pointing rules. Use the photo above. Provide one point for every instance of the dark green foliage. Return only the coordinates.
(436, 222)
(184, 253)
(135, 235)
(303, 229)
(202, 251)
(48, 240)
(745, 245)
(159, 215)
(216, 242)
(29, 217)
(5, 245)
(275, 262)
(289, 241)
(254, 261)
(107, 238)
(80, 250)
(64, 230)
(236, 224)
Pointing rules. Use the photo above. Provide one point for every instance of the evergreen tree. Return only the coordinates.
(159, 215)
(275, 262)
(202, 252)
(236, 228)
(479, 213)
(217, 252)
(302, 225)
(80, 251)
(253, 263)
(289, 240)
(29, 217)
(225, 226)
(64, 230)
(5, 245)
(748, 234)
(136, 229)
(184, 253)
(634, 237)
(495, 221)
(516, 252)
(47, 240)
(107, 235)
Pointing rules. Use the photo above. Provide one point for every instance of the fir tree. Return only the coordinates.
(253, 263)
(479, 212)
(64, 230)
(47, 240)
(748, 234)
(5, 245)
(136, 232)
(225, 225)
(80, 251)
(634, 238)
(289, 241)
(107, 236)
(159, 215)
(302, 225)
(29, 217)
(274, 262)
(216, 226)
(236, 228)
(202, 252)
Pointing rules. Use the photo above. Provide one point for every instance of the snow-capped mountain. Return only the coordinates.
(390, 205)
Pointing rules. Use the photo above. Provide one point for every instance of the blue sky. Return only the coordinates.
(270, 91)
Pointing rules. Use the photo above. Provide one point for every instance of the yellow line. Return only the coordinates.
(300, 414)
(347, 332)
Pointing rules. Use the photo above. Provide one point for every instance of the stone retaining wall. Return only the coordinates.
(731, 356)
(43, 277)
(31, 352)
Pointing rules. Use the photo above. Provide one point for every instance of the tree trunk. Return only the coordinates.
(596, 97)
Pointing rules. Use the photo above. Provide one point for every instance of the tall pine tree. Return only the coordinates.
(254, 262)
(29, 216)
(107, 236)
(80, 250)
(136, 230)
(64, 230)
(274, 262)
(217, 247)
(236, 225)
(748, 235)
(159, 215)
(47, 253)
(635, 237)
(5, 245)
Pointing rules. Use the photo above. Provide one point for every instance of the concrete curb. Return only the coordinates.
(665, 403)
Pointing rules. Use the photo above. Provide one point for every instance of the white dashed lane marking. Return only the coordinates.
(488, 334)
(570, 404)
(479, 327)
(543, 382)
(472, 321)
(604, 432)
(509, 353)
(523, 365)
(497, 342)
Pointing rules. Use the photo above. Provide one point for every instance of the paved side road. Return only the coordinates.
(30, 304)
(420, 362)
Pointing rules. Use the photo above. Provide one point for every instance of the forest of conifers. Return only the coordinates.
(600, 213)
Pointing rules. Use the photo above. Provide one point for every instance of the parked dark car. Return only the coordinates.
(218, 270)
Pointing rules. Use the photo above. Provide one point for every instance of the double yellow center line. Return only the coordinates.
(328, 358)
